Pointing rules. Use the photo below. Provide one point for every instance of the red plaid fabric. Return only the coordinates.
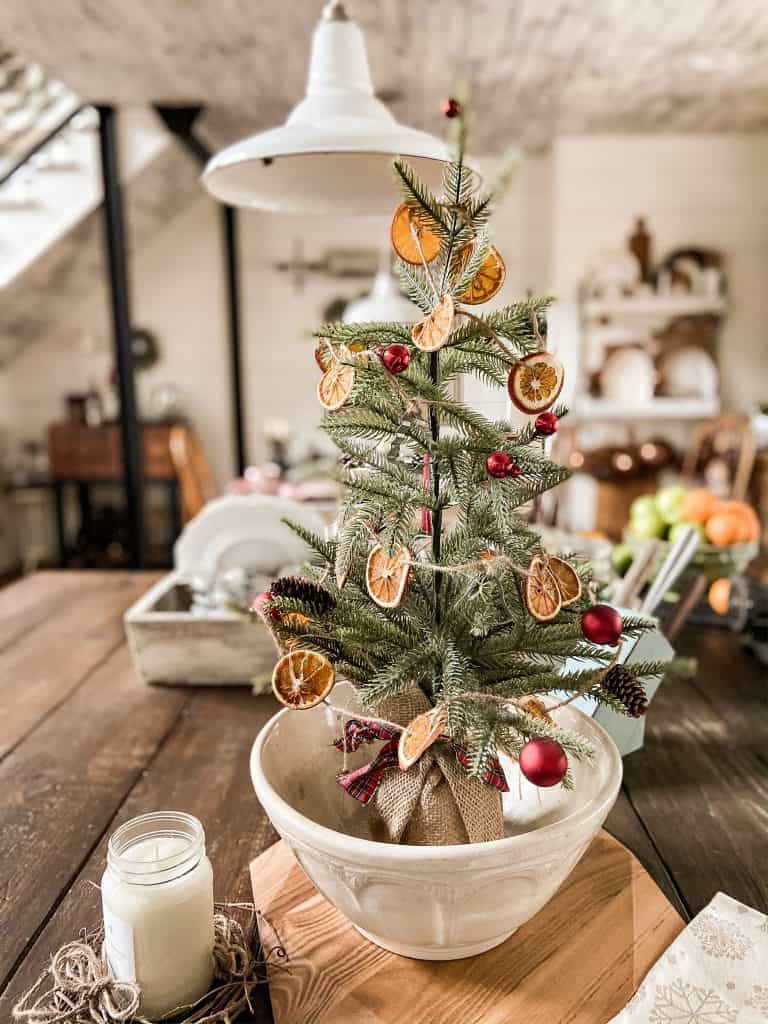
(493, 774)
(362, 782)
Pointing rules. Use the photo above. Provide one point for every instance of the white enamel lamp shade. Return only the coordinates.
(334, 152)
(385, 303)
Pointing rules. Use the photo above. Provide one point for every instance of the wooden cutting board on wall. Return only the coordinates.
(579, 960)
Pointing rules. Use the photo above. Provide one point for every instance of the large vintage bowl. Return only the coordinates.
(428, 902)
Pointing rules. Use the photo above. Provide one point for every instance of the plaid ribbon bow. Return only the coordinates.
(362, 782)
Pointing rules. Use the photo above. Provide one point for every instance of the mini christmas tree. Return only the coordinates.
(436, 598)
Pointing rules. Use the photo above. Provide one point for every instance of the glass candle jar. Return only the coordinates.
(157, 899)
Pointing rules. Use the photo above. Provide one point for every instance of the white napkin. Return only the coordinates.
(715, 972)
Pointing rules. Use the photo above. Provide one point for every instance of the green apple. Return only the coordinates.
(669, 501)
(677, 528)
(643, 506)
(621, 558)
(644, 527)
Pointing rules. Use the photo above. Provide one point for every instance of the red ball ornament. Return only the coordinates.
(543, 762)
(452, 107)
(514, 471)
(546, 424)
(601, 624)
(499, 465)
(396, 358)
(259, 605)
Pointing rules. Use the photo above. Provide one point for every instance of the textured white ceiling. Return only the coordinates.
(535, 67)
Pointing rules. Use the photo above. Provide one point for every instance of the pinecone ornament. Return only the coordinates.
(620, 683)
(314, 597)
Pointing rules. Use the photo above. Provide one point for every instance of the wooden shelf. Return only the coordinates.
(661, 408)
(653, 306)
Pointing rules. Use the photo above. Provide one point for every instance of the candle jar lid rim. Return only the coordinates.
(156, 825)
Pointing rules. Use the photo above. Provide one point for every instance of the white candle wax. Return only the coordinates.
(157, 898)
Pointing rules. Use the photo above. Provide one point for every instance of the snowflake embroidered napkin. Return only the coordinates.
(715, 972)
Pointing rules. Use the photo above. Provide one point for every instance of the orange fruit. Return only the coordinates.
(697, 505)
(750, 524)
(534, 707)
(541, 592)
(719, 596)
(431, 333)
(567, 579)
(404, 225)
(386, 576)
(419, 734)
(535, 382)
(487, 281)
(302, 679)
(335, 386)
(724, 528)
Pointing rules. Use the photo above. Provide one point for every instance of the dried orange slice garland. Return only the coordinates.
(418, 735)
(431, 333)
(487, 281)
(404, 232)
(551, 584)
(302, 679)
(567, 579)
(535, 382)
(335, 386)
(386, 576)
(541, 592)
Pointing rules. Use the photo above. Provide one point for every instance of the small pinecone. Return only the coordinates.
(314, 597)
(620, 683)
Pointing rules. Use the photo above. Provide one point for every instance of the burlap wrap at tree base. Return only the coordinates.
(434, 802)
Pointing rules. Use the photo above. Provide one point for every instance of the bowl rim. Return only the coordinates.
(368, 848)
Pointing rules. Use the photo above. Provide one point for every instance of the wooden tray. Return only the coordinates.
(579, 960)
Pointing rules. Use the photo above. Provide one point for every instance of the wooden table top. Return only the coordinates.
(84, 746)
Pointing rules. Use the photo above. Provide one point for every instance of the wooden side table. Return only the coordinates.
(81, 456)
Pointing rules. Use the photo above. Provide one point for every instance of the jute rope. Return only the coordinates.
(78, 987)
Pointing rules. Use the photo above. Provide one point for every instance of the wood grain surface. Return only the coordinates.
(84, 746)
(579, 960)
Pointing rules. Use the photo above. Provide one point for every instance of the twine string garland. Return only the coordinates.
(78, 986)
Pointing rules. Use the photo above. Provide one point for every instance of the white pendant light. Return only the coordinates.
(334, 153)
(385, 303)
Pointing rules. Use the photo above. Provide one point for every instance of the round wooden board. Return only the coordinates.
(579, 960)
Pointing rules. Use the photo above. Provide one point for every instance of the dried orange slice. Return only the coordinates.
(568, 582)
(541, 592)
(323, 353)
(487, 281)
(404, 226)
(432, 332)
(302, 679)
(386, 577)
(534, 707)
(335, 386)
(535, 382)
(419, 734)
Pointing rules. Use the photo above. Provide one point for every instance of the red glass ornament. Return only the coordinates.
(546, 424)
(452, 107)
(543, 762)
(601, 624)
(259, 604)
(498, 464)
(396, 358)
(514, 471)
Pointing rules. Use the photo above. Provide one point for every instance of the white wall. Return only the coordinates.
(565, 205)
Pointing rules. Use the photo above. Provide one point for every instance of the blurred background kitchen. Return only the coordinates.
(639, 200)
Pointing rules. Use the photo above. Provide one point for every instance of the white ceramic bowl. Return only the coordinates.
(427, 902)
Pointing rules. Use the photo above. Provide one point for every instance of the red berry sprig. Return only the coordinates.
(452, 107)
(395, 358)
(546, 424)
(500, 466)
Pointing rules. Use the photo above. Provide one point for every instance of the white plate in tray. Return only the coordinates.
(244, 531)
